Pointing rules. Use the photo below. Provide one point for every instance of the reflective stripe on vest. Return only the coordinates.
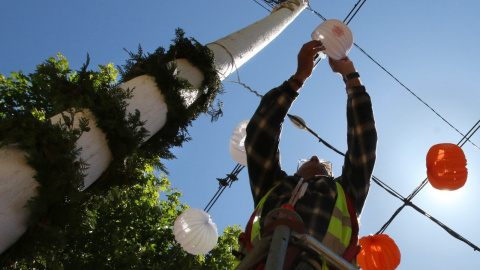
(339, 230)
(256, 233)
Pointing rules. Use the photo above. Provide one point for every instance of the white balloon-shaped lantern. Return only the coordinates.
(195, 231)
(237, 143)
(336, 37)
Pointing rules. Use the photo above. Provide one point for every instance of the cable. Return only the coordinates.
(262, 6)
(411, 92)
(352, 10)
(224, 183)
(355, 11)
(406, 201)
(315, 12)
(387, 188)
(450, 231)
(461, 143)
(247, 87)
(391, 75)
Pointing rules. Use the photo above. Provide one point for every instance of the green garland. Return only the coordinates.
(158, 65)
(28, 102)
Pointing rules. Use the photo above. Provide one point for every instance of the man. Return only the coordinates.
(328, 207)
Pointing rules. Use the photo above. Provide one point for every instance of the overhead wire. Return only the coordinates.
(351, 11)
(223, 184)
(462, 142)
(407, 201)
(411, 92)
(227, 182)
(390, 74)
(262, 5)
(354, 7)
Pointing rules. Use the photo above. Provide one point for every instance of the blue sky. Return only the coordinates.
(430, 46)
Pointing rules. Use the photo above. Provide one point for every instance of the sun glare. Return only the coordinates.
(445, 196)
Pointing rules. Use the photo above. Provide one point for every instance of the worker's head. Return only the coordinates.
(314, 166)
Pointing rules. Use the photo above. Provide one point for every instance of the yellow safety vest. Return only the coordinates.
(339, 230)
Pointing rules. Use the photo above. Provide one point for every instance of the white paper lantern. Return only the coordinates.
(237, 143)
(195, 231)
(336, 37)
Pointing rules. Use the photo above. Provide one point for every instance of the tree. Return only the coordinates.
(119, 221)
(123, 229)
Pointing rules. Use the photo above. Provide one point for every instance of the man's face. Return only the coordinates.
(311, 168)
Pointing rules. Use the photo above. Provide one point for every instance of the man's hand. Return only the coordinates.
(306, 58)
(343, 66)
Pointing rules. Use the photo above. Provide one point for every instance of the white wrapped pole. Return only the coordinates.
(16, 179)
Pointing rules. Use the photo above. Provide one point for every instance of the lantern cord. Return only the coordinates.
(387, 188)
(247, 87)
(269, 10)
(384, 227)
(355, 11)
(411, 92)
(450, 231)
(439, 223)
(391, 75)
(464, 139)
(352, 10)
(417, 190)
(315, 12)
(236, 71)
(223, 184)
(383, 68)
(406, 201)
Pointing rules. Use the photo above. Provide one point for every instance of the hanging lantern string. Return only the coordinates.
(411, 92)
(407, 201)
(397, 80)
(223, 184)
(387, 188)
(464, 140)
(439, 223)
(298, 122)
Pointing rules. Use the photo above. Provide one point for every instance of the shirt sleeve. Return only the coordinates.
(362, 146)
(263, 137)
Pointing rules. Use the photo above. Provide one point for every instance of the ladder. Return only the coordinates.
(274, 246)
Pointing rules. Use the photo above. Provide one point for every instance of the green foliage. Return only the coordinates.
(119, 222)
(159, 65)
(125, 229)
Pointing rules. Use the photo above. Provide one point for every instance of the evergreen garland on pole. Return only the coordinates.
(28, 103)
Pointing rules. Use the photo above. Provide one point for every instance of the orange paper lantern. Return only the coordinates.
(379, 252)
(446, 166)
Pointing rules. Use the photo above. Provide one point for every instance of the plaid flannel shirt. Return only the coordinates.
(263, 157)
